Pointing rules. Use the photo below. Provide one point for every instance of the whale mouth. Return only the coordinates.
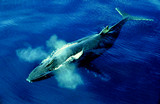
(40, 78)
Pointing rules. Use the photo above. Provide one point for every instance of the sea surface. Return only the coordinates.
(31, 29)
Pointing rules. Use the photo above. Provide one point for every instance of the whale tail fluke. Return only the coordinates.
(115, 29)
(125, 15)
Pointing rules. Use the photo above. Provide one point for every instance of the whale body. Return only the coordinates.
(81, 52)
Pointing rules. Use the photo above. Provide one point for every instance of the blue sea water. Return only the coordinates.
(31, 29)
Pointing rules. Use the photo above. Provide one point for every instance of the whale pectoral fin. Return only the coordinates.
(74, 57)
(78, 55)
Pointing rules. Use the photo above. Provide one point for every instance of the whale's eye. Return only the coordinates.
(50, 69)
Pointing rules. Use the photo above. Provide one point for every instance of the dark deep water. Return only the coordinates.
(133, 63)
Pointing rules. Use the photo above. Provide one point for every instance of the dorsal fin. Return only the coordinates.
(105, 30)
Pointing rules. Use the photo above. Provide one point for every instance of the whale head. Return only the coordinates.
(43, 71)
(52, 64)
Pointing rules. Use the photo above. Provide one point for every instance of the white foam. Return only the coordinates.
(31, 54)
(68, 77)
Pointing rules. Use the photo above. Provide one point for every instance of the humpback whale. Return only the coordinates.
(82, 51)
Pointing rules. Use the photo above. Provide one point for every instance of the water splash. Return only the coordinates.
(67, 77)
(31, 54)
(54, 42)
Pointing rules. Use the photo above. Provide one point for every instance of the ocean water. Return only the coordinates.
(31, 29)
